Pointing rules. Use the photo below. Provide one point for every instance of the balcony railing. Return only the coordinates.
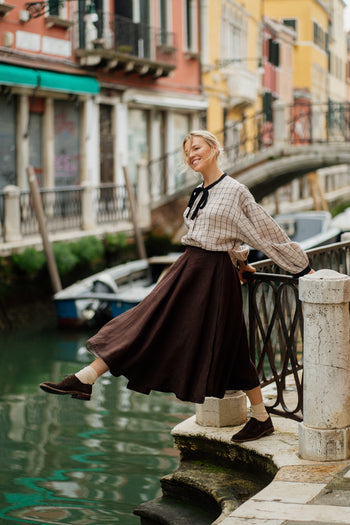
(117, 42)
(63, 208)
(112, 204)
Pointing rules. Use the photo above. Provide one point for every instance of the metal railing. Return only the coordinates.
(112, 204)
(319, 123)
(123, 35)
(63, 208)
(303, 124)
(275, 326)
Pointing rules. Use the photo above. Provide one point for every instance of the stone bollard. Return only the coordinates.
(324, 435)
(226, 412)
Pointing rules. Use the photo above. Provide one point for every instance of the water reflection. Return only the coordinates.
(69, 461)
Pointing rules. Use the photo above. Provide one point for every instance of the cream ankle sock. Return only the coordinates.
(87, 375)
(259, 412)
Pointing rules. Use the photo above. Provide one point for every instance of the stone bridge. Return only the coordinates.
(299, 139)
(268, 170)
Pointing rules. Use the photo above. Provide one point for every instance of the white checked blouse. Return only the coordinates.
(224, 216)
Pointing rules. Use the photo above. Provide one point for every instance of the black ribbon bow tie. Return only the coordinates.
(201, 203)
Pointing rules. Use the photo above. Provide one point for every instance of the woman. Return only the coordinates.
(188, 335)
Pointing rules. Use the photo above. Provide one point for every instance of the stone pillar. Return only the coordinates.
(324, 435)
(143, 196)
(226, 412)
(280, 125)
(88, 207)
(12, 223)
(48, 141)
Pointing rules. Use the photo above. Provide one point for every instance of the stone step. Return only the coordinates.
(200, 493)
(168, 511)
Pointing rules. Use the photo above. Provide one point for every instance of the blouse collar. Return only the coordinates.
(204, 198)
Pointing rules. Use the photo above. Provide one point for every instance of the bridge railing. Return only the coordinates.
(298, 124)
(275, 325)
(319, 123)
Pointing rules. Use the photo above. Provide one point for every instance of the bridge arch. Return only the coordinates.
(269, 170)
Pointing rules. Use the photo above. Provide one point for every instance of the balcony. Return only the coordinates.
(242, 85)
(117, 43)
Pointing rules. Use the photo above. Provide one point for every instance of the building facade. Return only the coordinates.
(88, 88)
(319, 46)
(231, 37)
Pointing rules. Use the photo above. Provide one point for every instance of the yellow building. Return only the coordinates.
(231, 35)
(310, 20)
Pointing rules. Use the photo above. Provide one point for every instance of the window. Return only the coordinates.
(7, 141)
(164, 22)
(137, 140)
(190, 25)
(267, 106)
(274, 52)
(320, 36)
(234, 36)
(106, 144)
(67, 143)
(36, 110)
(292, 23)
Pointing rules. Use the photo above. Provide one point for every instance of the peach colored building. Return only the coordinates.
(89, 87)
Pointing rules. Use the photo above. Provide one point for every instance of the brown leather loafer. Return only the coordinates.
(253, 429)
(70, 385)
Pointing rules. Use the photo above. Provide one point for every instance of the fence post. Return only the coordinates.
(143, 195)
(88, 206)
(226, 412)
(280, 125)
(12, 222)
(324, 435)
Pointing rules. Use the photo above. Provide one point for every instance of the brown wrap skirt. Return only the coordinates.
(188, 336)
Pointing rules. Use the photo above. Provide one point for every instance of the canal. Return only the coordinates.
(68, 461)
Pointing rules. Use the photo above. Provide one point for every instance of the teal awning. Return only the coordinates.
(39, 78)
(18, 76)
(78, 84)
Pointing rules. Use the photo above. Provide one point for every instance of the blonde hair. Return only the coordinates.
(208, 137)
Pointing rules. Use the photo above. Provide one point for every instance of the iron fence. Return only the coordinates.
(62, 209)
(319, 123)
(304, 124)
(112, 204)
(275, 326)
(126, 37)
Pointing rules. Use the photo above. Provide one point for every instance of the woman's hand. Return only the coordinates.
(242, 268)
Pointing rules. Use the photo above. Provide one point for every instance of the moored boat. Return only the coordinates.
(310, 229)
(95, 300)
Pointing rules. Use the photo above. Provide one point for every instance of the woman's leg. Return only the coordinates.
(90, 373)
(257, 407)
(260, 423)
(78, 385)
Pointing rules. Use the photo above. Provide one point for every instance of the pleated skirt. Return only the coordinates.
(188, 336)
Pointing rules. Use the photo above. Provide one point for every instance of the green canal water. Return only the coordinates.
(68, 461)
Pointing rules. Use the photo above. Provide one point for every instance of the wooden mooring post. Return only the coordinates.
(39, 212)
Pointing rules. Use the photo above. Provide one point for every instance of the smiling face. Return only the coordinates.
(200, 156)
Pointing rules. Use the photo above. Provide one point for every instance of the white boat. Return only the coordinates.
(310, 229)
(95, 300)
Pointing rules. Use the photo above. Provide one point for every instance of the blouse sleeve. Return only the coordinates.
(259, 230)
